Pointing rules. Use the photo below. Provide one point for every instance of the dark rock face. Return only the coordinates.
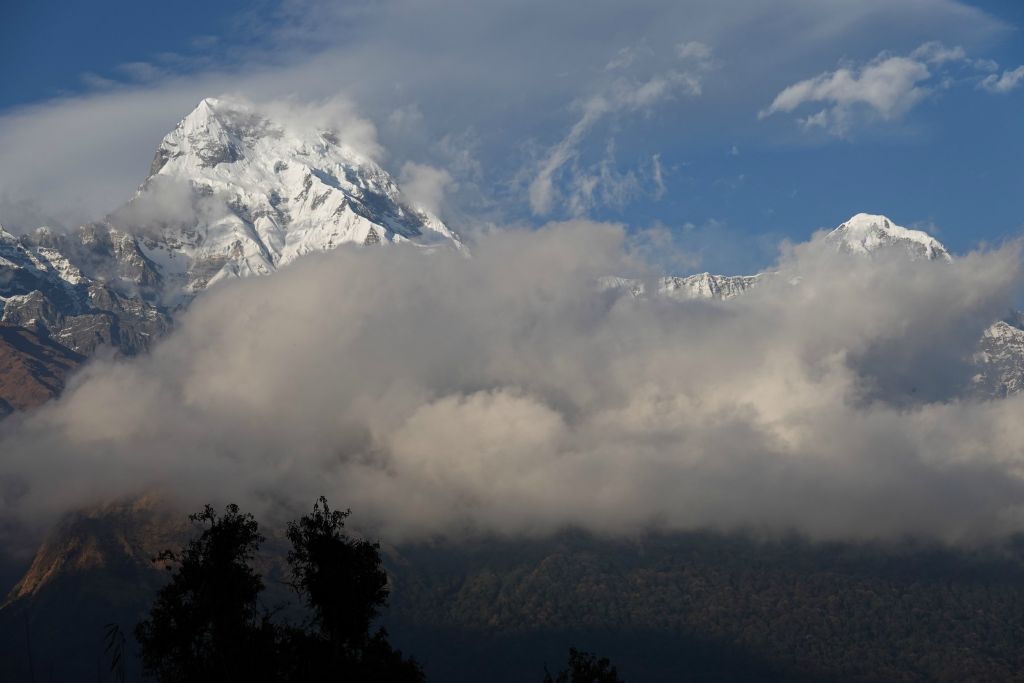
(120, 537)
(65, 296)
(33, 369)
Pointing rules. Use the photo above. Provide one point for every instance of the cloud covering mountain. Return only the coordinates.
(508, 393)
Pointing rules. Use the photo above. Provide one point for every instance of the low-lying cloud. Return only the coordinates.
(439, 395)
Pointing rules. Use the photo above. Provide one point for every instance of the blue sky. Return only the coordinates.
(654, 114)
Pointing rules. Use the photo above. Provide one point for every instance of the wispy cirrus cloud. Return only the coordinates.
(620, 96)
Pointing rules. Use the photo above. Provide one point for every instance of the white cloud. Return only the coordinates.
(887, 87)
(986, 65)
(97, 82)
(425, 185)
(817, 120)
(1002, 84)
(505, 393)
(658, 176)
(336, 113)
(934, 52)
(626, 57)
(694, 50)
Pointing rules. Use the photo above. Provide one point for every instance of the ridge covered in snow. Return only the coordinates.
(863, 234)
(234, 193)
(698, 286)
(708, 286)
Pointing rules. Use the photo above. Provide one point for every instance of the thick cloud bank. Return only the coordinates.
(507, 393)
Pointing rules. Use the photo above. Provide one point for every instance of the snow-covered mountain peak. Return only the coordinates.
(235, 190)
(225, 131)
(211, 134)
(867, 233)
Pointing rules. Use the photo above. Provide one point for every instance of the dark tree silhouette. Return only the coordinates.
(585, 668)
(205, 625)
(341, 581)
(340, 578)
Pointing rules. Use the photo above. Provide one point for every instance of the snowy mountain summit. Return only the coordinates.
(867, 234)
(233, 192)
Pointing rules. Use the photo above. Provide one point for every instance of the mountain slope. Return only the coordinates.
(94, 569)
(715, 607)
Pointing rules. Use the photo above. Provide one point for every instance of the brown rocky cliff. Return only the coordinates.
(33, 369)
(119, 538)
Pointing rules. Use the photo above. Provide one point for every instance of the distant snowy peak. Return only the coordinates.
(708, 286)
(862, 235)
(699, 286)
(999, 359)
(233, 192)
(250, 145)
(867, 234)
